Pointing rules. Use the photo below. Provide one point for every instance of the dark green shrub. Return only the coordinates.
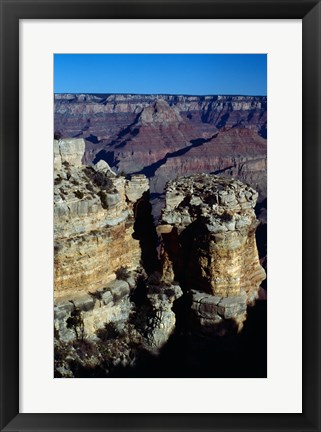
(98, 178)
(57, 181)
(79, 194)
(122, 273)
(76, 323)
(109, 332)
(226, 217)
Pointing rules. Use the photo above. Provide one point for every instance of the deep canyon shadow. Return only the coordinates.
(145, 232)
(188, 355)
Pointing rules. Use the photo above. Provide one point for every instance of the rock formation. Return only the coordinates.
(93, 236)
(160, 318)
(68, 151)
(209, 246)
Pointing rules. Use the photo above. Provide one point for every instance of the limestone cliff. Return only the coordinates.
(208, 232)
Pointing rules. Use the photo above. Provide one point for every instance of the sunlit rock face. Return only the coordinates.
(208, 244)
(70, 151)
(93, 223)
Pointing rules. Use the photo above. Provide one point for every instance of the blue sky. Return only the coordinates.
(195, 74)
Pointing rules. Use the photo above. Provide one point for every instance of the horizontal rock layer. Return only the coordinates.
(96, 309)
(211, 313)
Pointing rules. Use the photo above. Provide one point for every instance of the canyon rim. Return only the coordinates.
(160, 224)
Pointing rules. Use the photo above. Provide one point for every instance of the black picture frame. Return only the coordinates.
(11, 12)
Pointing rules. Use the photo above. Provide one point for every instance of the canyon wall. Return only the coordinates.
(164, 136)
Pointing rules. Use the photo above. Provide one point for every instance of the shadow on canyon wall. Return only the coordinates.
(190, 356)
(145, 232)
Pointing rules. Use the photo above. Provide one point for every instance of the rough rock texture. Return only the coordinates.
(103, 167)
(218, 314)
(163, 136)
(208, 233)
(109, 304)
(136, 187)
(70, 151)
(93, 234)
(161, 319)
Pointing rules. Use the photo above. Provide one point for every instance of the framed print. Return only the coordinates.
(159, 161)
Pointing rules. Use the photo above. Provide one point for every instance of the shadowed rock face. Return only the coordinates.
(164, 136)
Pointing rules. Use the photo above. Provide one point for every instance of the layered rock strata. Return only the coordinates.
(209, 246)
(93, 235)
(163, 136)
(89, 113)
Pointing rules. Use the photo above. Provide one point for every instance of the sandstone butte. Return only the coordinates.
(208, 231)
(207, 241)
